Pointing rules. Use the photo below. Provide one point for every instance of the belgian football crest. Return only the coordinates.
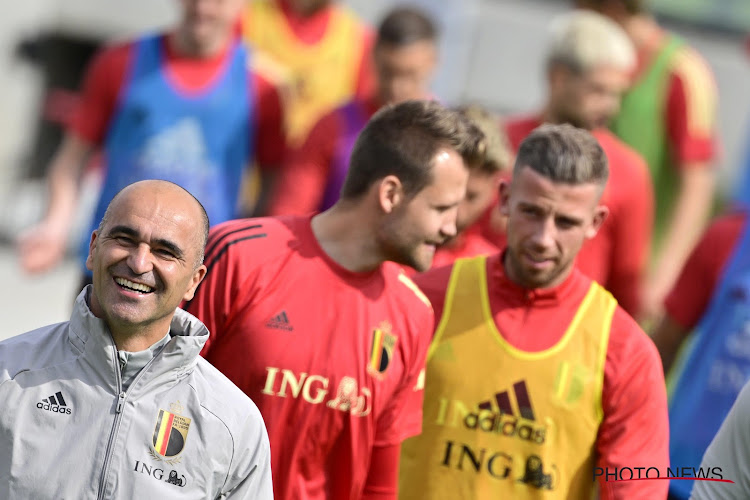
(170, 434)
(381, 350)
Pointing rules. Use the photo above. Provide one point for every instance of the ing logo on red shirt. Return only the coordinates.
(314, 389)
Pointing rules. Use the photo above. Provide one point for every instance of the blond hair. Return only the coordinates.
(583, 40)
(498, 156)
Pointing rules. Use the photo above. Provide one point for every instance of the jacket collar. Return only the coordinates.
(91, 336)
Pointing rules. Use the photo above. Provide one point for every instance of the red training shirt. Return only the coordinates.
(306, 169)
(330, 357)
(694, 288)
(108, 73)
(618, 255)
(635, 428)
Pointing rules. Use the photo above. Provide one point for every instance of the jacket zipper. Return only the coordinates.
(121, 396)
(115, 426)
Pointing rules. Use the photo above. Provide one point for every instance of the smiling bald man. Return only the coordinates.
(120, 389)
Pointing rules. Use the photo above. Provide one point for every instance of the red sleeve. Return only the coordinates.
(304, 173)
(403, 416)
(382, 478)
(366, 79)
(691, 110)
(687, 301)
(224, 282)
(268, 123)
(100, 93)
(631, 232)
(634, 398)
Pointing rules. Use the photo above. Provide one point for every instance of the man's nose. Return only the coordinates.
(139, 259)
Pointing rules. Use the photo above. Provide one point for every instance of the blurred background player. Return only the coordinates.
(589, 60)
(405, 57)
(319, 48)
(668, 116)
(481, 191)
(535, 375)
(709, 300)
(180, 106)
(310, 319)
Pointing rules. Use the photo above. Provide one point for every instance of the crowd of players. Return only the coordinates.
(430, 301)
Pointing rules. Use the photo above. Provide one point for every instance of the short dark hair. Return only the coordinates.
(404, 26)
(563, 154)
(631, 6)
(403, 139)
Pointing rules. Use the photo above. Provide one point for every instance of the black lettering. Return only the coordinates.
(40, 406)
(145, 468)
(702, 472)
(510, 432)
(687, 471)
(506, 471)
(160, 472)
(717, 473)
(524, 432)
(607, 474)
(622, 476)
(448, 448)
(650, 468)
(489, 420)
(639, 469)
(598, 471)
(470, 420)
(468, 452)
(67, 411)
(539, 436)
(673, 473)
(136, 466)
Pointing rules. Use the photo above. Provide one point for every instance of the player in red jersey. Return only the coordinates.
(522, 343)
(309, 318)
(481, 192)
(194, 56)
(405, 56)
(584, 89)
(668, 115)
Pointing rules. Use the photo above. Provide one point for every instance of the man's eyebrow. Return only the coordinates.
(169, 245)
(161, 242)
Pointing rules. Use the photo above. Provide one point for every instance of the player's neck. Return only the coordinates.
(344, 234)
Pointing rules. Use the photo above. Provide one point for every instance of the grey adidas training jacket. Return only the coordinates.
(68, 431)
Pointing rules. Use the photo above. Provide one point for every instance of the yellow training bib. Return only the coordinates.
(504, 423)
(315, 78)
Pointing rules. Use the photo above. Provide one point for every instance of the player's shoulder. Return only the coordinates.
(688, 67)
(36, 350)
(404, 287)
(687, 61)
(258, 238)
(434, 282)
(628, 341)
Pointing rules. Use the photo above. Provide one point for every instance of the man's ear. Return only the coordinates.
(600, 215)
(390, 193)
(196, 279)
(92, 247)
(504, 199)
